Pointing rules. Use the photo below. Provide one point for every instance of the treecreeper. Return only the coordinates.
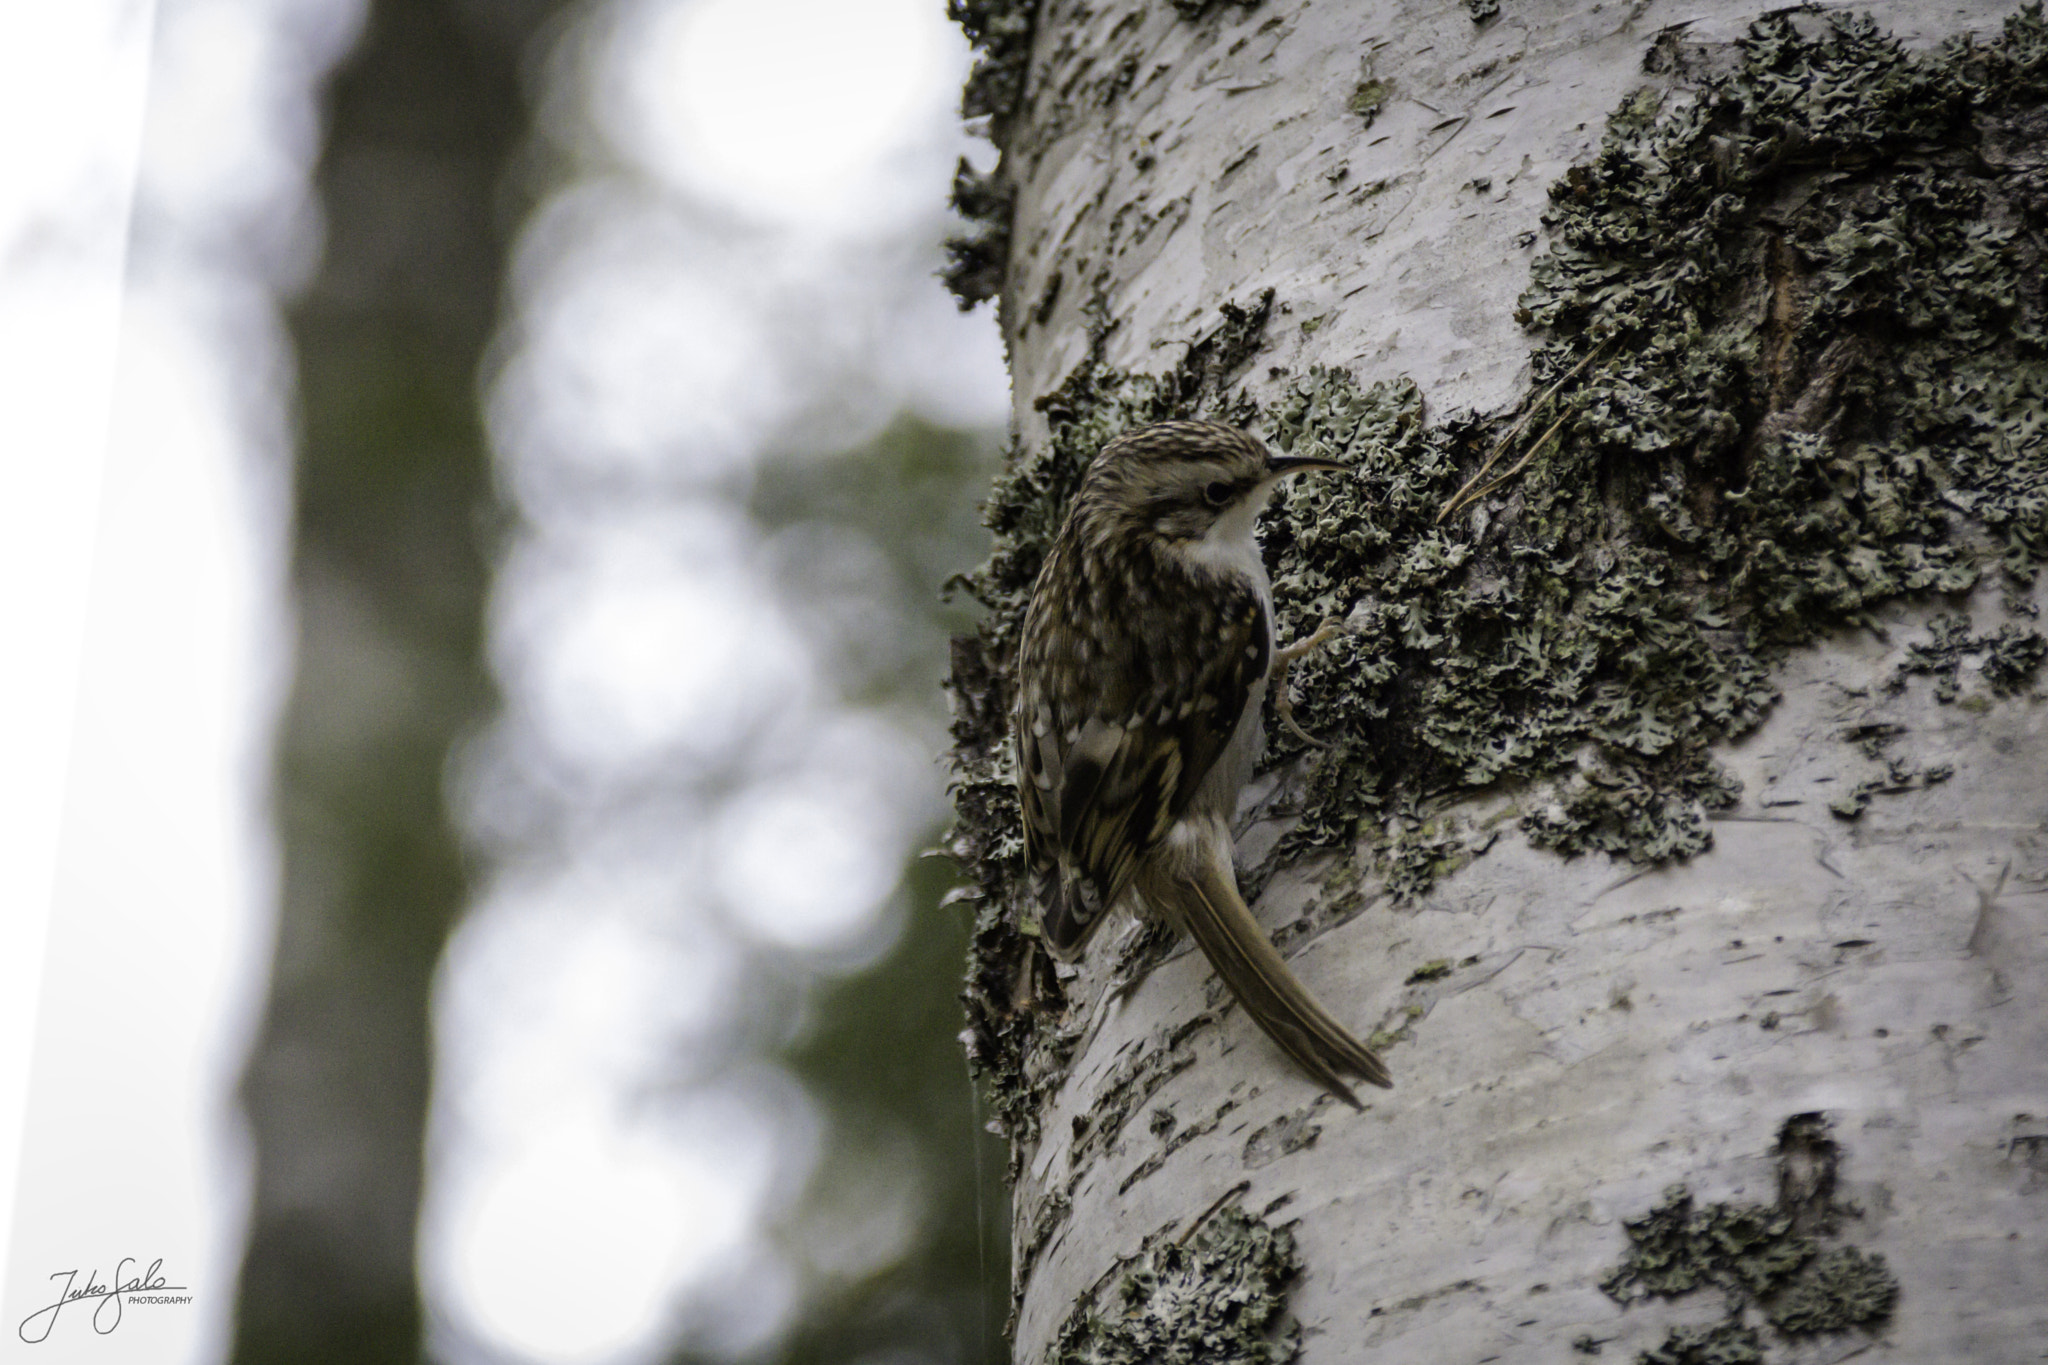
(1148, 646)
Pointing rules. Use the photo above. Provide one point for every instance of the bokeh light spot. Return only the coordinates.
(573, 1248)
(787, 108)
(636, 646)
(805, 866)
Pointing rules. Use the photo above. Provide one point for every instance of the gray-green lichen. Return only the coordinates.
(1839, 1289)
(1369, 98)
(1767, 1260)
(977, 258)
(1798, 324)
(1792, 364)
(1899, 775)
(1718, 1343)
(1000, 31)
(1217, 1297)
(1675, 1248)
(2009, 658)
(1472, 659)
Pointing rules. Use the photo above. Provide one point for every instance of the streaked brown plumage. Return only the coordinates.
(1145, 657)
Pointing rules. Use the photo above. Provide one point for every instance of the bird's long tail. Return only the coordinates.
(1200, 897)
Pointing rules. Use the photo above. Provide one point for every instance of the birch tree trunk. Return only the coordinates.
(1684, 820)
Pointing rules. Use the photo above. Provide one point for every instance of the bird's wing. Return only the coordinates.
(1119, 720)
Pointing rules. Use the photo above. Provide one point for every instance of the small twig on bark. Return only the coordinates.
(1460, 498)
(1523, 463)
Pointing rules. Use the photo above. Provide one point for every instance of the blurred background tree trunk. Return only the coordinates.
(430, 166)
(395, 519)
(1681, 838)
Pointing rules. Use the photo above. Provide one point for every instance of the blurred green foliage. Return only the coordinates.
(862, 543)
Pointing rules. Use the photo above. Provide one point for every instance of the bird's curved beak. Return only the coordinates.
(1279, 465)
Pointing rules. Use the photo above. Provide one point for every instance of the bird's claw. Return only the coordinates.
(1283, 659)
(1326, 632)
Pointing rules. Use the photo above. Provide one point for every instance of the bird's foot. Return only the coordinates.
(1283, 659)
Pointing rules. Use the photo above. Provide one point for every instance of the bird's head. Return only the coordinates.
(1186, 482)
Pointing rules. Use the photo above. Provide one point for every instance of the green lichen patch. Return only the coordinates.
(1720, 1343)
(1369, 98)
(1798, 325)
(1218, 1297)
(1839, 1289)
(1006, 1041)
(1397, 1029)
(1001, 32)
(1899, 775)
(1485, 653)
(977, 258)
(1676, 1247)
(1827, 277)
(1767, 1259)
(2010, 657)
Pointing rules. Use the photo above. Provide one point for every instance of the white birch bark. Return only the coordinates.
(1620, 1030)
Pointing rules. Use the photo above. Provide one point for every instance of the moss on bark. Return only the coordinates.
(1217, 1295)
(1769, 1261)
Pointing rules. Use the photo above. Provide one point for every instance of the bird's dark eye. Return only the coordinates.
(1218, 494)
